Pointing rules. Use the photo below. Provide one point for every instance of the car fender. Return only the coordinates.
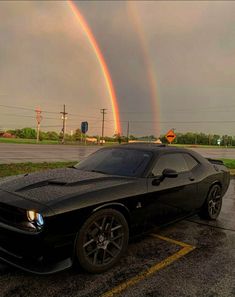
(118, 206)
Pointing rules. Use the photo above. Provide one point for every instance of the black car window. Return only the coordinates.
(172, 161)
(117, 161)
(191, 162)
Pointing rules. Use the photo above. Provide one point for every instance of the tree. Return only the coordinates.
(28, 133)
(118, 137)
(77, 134)
(132, 137)
(52, 135)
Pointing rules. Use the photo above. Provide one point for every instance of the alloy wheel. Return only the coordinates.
(215, 201)
(103, 240)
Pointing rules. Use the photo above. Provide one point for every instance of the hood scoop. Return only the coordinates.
(57, 182)
(57, 178)
(42, 184)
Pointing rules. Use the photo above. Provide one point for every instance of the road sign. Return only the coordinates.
(84, 127)
(170, 136)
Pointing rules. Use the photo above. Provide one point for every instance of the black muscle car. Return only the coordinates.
(51, 220)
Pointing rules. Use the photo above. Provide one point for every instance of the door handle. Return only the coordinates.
(191, 178)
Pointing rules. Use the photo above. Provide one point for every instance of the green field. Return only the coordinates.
(21, 168)
(230, 163)
(26, 141)
(33, 141)
(201, 146)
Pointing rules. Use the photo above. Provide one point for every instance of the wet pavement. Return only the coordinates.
(208, 270)
(216, 153)
(19, 153)
(15, 153)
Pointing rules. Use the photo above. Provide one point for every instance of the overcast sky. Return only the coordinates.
(188, 47)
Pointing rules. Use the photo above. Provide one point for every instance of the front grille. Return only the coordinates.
(11, 215)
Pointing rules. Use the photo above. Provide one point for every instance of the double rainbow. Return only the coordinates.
(135, 17)
(136, 20)
(102, 63)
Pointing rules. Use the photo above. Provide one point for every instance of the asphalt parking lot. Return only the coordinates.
(189, 258)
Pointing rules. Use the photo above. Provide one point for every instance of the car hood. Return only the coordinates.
(45, 187)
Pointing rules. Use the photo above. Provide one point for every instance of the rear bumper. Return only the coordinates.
(34, 252)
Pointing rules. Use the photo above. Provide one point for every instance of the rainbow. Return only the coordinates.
(102, 63)
(134, 15)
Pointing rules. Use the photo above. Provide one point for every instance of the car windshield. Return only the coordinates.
(115, 161)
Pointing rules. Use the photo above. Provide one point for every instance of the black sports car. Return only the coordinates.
(51, 220)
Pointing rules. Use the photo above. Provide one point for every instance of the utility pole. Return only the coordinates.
(127, 132)
(102, 133)
(64, 118)
(38, 119)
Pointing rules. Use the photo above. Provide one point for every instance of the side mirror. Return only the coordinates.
(171, 173)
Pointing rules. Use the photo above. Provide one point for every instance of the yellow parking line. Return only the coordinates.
(136, 279)
(180, 243)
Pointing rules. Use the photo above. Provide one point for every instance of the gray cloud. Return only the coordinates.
(191, 46)
(45, 60)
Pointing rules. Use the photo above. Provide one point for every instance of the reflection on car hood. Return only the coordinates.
(50, 185)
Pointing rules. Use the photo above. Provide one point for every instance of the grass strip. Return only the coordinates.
(230, 163)
(21, 168)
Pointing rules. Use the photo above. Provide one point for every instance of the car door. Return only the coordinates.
(171, 197)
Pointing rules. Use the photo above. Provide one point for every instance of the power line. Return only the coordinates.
(17, 107)
(129, 121)
(220, 107)
(137, 121)
(79, 115)
(47, 111)
(212, 108)
(27, 108)
(175, 122)
(28, 116)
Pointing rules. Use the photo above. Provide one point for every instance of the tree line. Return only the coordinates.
(182, 138)
(202, 139)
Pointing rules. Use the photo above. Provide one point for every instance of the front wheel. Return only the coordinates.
(102, 240)
(213, 204)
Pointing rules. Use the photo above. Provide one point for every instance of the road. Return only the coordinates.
(191, 258)
(216, 153)
(15, 153)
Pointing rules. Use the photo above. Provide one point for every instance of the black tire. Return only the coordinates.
(102, 240)
(212, 207)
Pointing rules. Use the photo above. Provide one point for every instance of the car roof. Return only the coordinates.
(158, 149)
(154, 147)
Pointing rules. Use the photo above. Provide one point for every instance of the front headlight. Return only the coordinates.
(35, 217)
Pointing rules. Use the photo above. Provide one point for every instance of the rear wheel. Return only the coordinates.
(102, 240)
(213, 204)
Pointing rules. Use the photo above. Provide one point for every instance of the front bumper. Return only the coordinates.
(34, 252)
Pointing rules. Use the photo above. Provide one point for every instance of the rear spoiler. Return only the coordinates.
(213, 161)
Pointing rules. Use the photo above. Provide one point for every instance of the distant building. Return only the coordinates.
(92, 139)
(6, 135)
(158, 141)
